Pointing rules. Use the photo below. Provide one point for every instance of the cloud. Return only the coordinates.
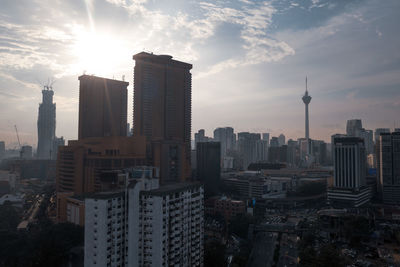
(262, 48)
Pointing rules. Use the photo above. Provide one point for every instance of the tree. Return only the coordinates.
(356, 228)
(42, 245)
(9, 217)
(239, 225)
(330, 257)
(214, 254)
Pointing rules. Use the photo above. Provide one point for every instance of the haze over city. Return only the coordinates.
(250, 60)
(200, 133)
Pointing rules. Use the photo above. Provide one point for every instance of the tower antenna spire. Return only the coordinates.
(306, 84)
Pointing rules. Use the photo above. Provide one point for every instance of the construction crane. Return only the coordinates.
(19, 143)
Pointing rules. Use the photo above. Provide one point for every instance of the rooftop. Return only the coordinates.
(161, 59)
(171, 188)
(92, 77)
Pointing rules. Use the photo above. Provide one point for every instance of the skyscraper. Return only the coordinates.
(102, 107)
(281, 139)
(265, 136)
(102, 145)
(57, 142)
(349, 184)
(162, 111)
(353, 127)
(262, 150)
(208, 166)
(378, 132)
(2, 148)
(368, 137)
(227, 139)
(46, 124)
(201, 137)
(274, 141)
(307, 99)
(247, 143)
(388, 161)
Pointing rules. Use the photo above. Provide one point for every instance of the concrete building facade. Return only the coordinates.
(349, 184)
(46, 124)
(103, 107)
(144, 224)
(208, 166)
(162, 110)
(388, 161)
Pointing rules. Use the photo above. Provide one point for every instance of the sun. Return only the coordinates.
(98, 54)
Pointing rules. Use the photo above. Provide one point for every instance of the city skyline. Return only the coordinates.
(250, 61)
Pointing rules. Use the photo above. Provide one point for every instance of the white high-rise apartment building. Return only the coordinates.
(145, 224)
(349, 184)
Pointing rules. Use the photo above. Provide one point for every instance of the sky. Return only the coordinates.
(250, 60)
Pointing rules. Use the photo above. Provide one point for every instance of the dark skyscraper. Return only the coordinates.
(102, 107)
(46, 124)
(388, 158)
(353, 127)
(162, 111)
(208, 165)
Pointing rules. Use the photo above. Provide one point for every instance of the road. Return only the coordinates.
(288, 251)
(32, 213)
(262, 253)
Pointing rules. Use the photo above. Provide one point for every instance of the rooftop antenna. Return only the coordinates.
(48, 85)
(123, 78)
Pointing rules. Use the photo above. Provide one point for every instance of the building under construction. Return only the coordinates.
(46, 124)
(48, 143)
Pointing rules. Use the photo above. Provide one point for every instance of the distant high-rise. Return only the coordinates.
(57, 142)
(274, 142)
(262, 150)
(349, 184)
(162, 111)
(200, 136)
(102, 107)
(378, 132)
(46, 124)
(26, 152)
(368, 137)
(265, 136)
(2, 148)
(227, 139)
(247, 144)
(319, 151)
(388, 161)
(208, 166)
(353, 127)
(281, 139)
(293, 153)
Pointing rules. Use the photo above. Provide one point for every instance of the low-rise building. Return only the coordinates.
(226, 207)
